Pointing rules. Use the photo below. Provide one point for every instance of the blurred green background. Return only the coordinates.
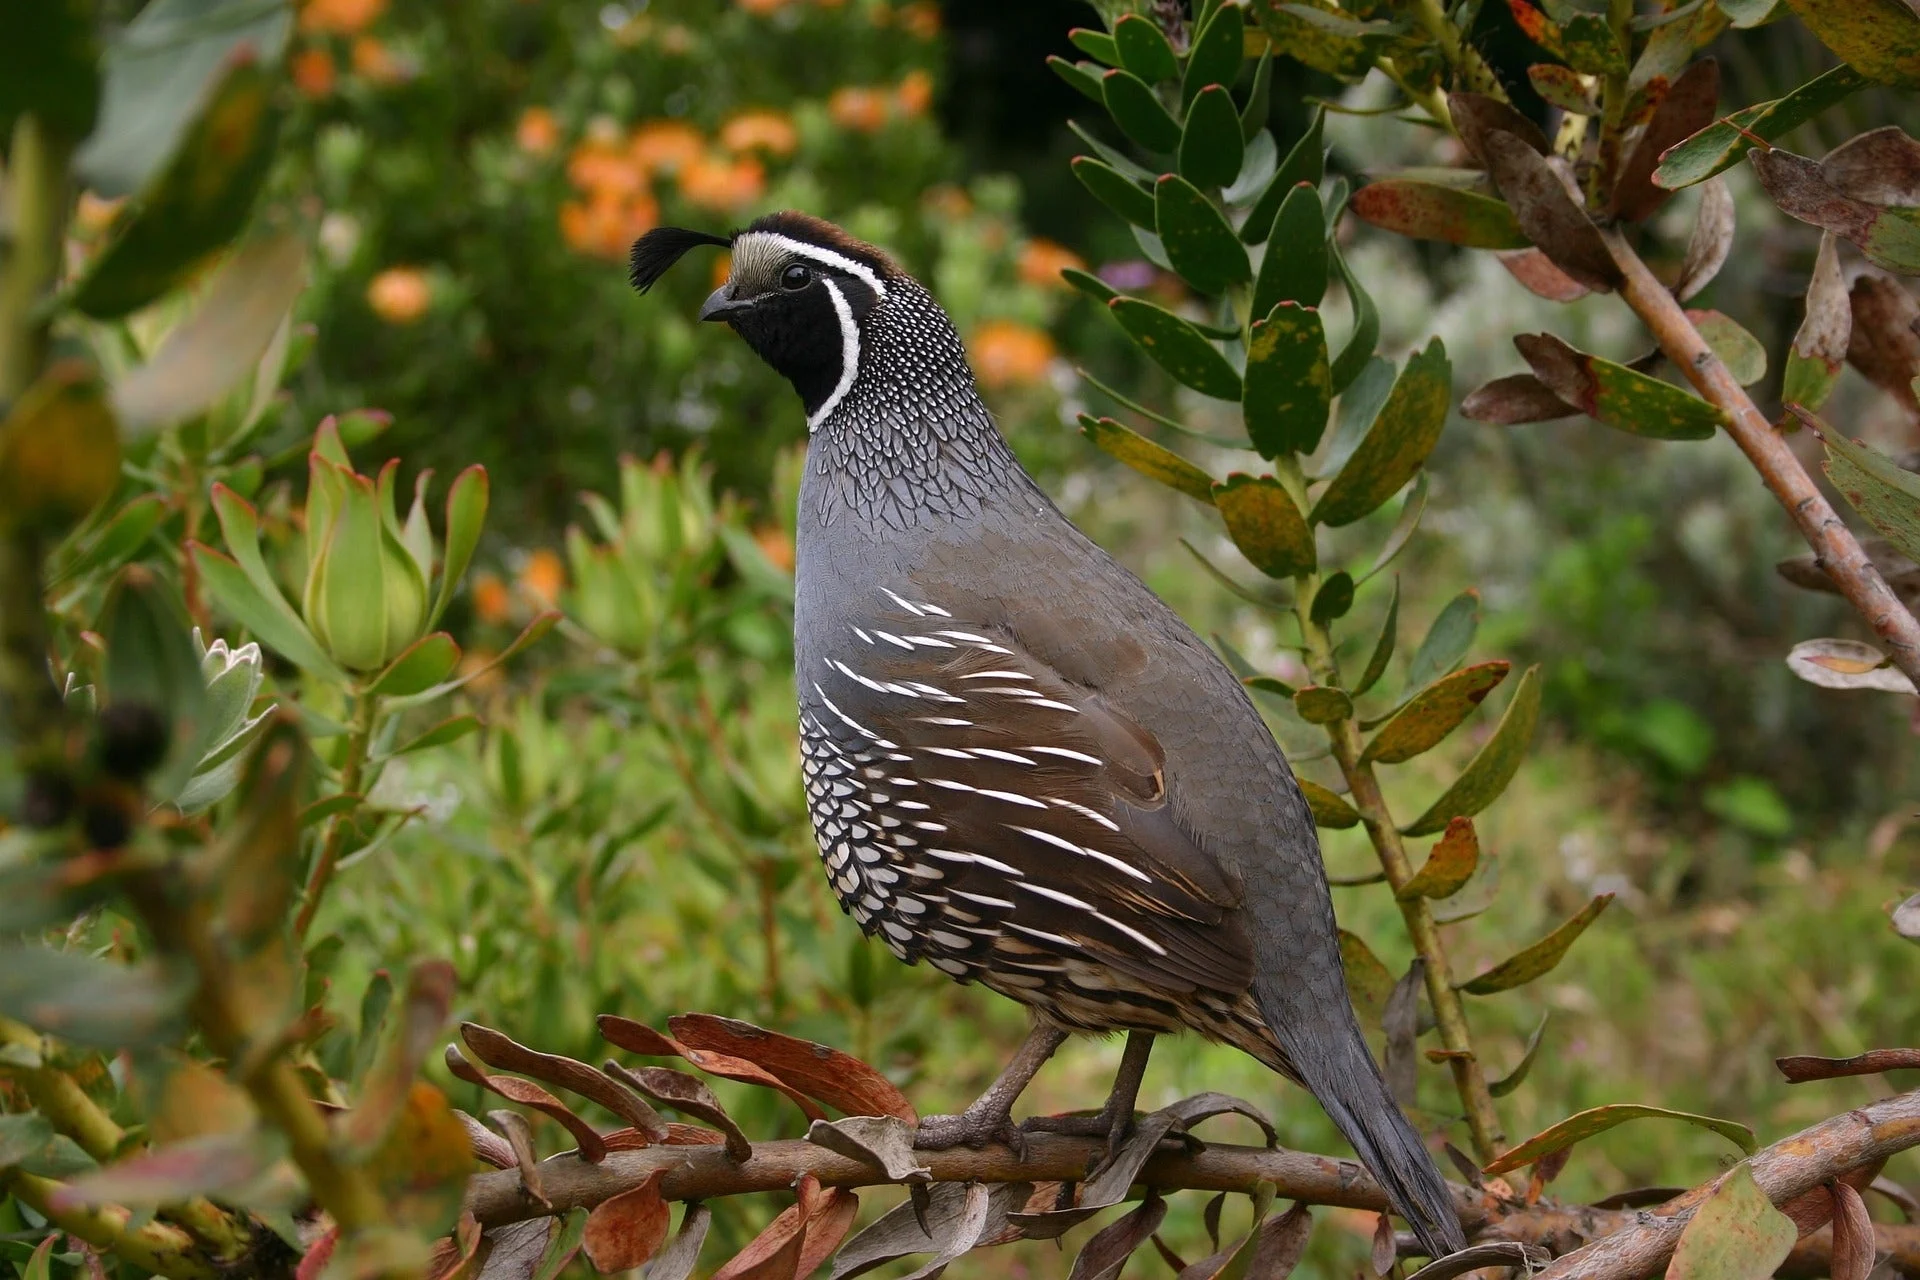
(627, 835)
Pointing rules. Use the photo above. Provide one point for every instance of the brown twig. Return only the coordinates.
(1835, 548)
(1633, 1243)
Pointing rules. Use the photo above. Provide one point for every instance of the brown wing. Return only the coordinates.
(975, 807)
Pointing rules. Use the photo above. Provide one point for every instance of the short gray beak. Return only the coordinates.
(721, 304)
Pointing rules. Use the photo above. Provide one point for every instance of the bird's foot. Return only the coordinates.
(971, 1128)
(1110, 1123)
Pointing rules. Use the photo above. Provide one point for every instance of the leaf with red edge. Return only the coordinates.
(528, 1094)
(1890, 237)
(1689, 106)
(1537, 274)
(1433, 713)
(1619, 396)
(1537, 26)
(1548, 215)
(826, 1074)
(625, 1230)
(1881, 166)
(1563, 88)
(1448, 868)
(1430, 211)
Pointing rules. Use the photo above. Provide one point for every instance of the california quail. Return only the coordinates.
(1021, 766)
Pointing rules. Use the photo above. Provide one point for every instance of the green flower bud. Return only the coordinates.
(365, 598)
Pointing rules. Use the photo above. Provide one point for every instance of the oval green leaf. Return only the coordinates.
(1720, 145)
(1322, 704)
(1735, 1233)
(1383, 645)
(1880, 38)
(1488, 774)
(1217, 53)
(1177, 347)
(1138, 112)
(1399, 441)
(1329, 810)
(1334, 598)
(1739, 350)
(1433, 713)
(1428, 211)
(1266, 525)
(1088, 283)
(1144, 49)
(1199, 243)
(1306, 162)
(1295, 266)
(1446, 640)
(1119, 193)
(1095, 44)
(1210, 146)
(423, 664)
(1149, 459)
(1084, 76)
(1539, 959)
(1886, 495)
(1448, 868)
(1289, 382)
(1515, 1078)
(1623, 398)
(1369, 981)
(1578, 1128)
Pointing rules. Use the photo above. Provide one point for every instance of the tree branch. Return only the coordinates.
(1625, 1243)
(1837, 551)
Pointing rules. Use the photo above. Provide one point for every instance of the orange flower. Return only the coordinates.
(775, 545)
(482, 676)
(662, 146)
(1007, 353)
(862, 110)
(767, 131)
(947, 201)
(542, 578)
(313, 72)
(608, 223)
(915, 93)
(538, 133)
(713, 182)
(1041, 262)
(372, 61)
(491, 601)
(921, 19)
(400, 295)
(344, 17)
(601, 168)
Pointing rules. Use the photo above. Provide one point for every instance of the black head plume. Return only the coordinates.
(660, 248)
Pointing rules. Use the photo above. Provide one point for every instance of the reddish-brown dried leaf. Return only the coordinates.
(1814, 1209)
(827, 1226)
(637, 1037)
(1881, 166)
(529, 1094)
(1475, 115)
(1889, 237)
(1434, 211)
(678, 1135)
(1711, 241)
(774, 1254)
(1549, 216)
(519, 1135)
(826, 1074)
(1619, 395)
(1853, 1242)
(1383, 1250)
(1537, 274)
(1688, 107)
(1434, 712)
(454, 1257)
(623, 1231)
(1449, 866)
(689, 1096)
(1515, 399)
(1537, 27)
(488, 1146)
(1883, 343)
(498, 1050)
(1802, 1068)
(1109, 1248)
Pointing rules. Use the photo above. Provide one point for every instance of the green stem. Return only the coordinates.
(1463, 58)
(352, 770)
(156, 1247)
(1469, 1078)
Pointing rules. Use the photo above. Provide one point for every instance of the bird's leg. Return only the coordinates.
(989, 1118)
(1115, 1117)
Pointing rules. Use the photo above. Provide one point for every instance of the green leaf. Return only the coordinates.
(59, 450)
(466, 517)
(1253, 116)
(1448, 868)
(1149, 459)
(1623, 398)
(1322, 704)
(1266, 525)
(1739, 350)
(1121, 194)
(1433, 713)
(423, 664)
(327, 806)
(1144, 49)
(221, 342)
(1578, 1128)
(1083, 76)
(1306, 162)
(1736, 1233)
(123, 536)
(1383, 646)
(1399, 441)
(1320, 37)
(1476, 896)
(1216, 53)
(1334, 598)
(1446, 640)
(1289, 385)
(196, 204)
(29, 1143)
(1211, 148)
(237, 596)
(1879, 38)
(1819, 347)
(1138, 112)
(1539, 959)
(267, 613)
(1177, 347)
(49, 66)
(1369, 982)
(1886, 495)
(533, 632)
(1200, 244)
(151, 662)
(1329, 810)
(1493, 767)
(1118, 160)
(1515, 1078)
(1095, 44)
(449, 730)
(90, 1001)
(1719, 146)
(1257, 168)
(1295, 266)
(1429, 211)
(1589, 45)
(1353, 357)
(1404, 527)
(1088, 283)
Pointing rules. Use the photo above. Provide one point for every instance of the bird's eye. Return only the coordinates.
(795, 277)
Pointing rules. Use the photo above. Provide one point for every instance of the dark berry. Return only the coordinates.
(133, 740)
(47, 800)
(106, 825)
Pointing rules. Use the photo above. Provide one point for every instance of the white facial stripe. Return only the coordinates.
(828, 257)
(849, 357)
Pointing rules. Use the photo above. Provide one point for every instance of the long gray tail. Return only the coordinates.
(1317, 1029)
